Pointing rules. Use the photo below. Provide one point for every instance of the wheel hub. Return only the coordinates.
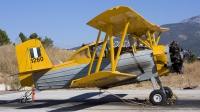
(157, 98)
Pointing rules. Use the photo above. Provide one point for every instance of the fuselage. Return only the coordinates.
(60, 76)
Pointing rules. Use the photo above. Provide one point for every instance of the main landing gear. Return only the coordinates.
(159, 96)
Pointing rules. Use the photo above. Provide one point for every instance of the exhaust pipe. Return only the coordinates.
(168, 65)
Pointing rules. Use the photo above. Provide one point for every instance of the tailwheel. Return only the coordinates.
(24, 97)
(157, 97)
(23, 100)
(168, 92)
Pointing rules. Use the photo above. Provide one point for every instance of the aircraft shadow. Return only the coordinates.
(94, 102)
(83, 99)
(3, 102)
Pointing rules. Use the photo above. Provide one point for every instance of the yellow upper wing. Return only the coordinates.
(118, 17)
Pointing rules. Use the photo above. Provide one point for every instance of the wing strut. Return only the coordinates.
(93, 55)
(111, 49)
(121, 44)
(158, 38)
(109, 34)
(101, 53)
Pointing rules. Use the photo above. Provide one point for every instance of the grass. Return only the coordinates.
(8, 66)
(57, 55)
(191, 77)
(8, 63)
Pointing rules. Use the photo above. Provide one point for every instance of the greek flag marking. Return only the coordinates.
(35, 52)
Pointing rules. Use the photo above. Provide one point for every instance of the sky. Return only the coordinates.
(64, 21)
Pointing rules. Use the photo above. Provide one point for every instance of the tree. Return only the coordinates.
(47, 42)
(35, 35)
(192, 57)
(4, 38)
(23, 37)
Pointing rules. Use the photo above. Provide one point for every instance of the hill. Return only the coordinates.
(187, 33)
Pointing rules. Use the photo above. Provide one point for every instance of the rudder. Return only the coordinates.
(31, 56)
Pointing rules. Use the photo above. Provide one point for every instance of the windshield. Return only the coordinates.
(98, 51)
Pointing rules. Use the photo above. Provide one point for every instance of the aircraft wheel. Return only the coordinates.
(168, 92)
(23, 100)
(157, 97)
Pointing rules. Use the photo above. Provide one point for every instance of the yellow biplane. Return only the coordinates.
(103, 64)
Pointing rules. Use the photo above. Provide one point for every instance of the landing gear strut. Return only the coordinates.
(159, 96)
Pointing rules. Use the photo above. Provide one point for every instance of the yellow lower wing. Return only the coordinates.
(101, 79)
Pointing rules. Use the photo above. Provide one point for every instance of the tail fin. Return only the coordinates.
(31, 56)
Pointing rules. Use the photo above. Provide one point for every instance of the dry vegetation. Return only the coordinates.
(56, 55)
(8, 63)
(8, 66)
(191, 77)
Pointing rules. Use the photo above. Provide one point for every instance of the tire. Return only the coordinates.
(168, 92)
(23, 100)
(157, 97)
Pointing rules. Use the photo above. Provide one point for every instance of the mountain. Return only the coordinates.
(195, 19)
(187, 33)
